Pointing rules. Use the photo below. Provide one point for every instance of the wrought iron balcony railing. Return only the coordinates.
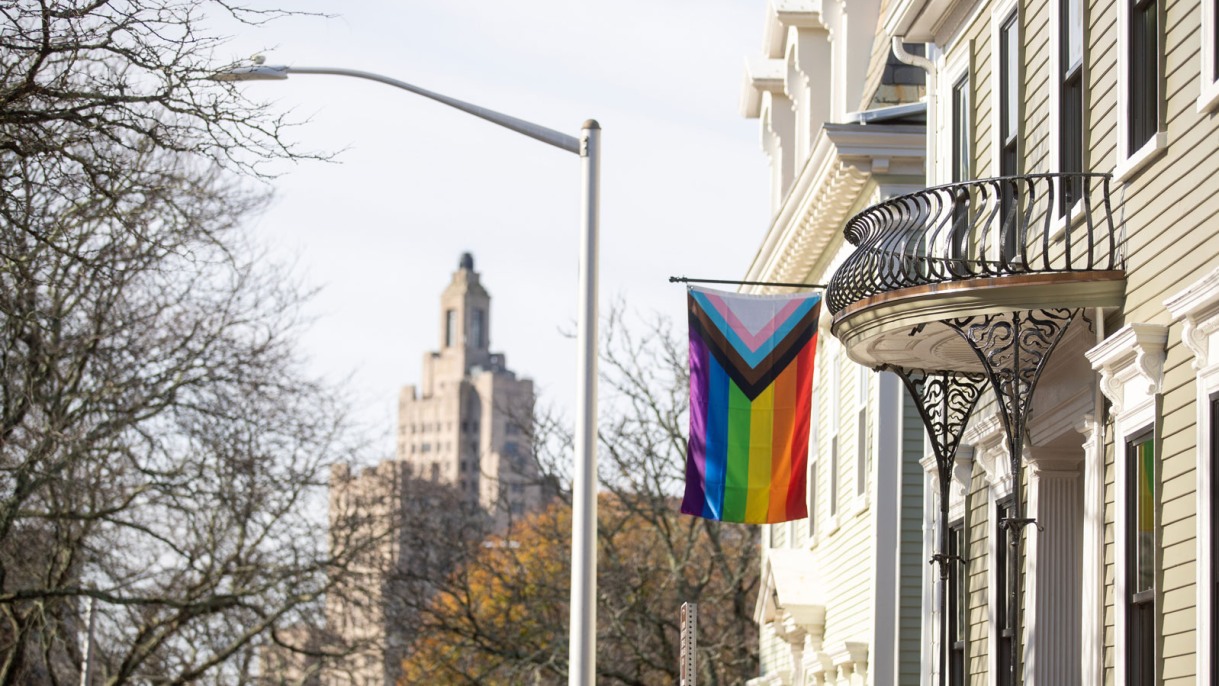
(1006, 226)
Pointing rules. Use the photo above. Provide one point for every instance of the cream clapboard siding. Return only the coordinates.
(1169, 214)
(843, 543)
(774, 653)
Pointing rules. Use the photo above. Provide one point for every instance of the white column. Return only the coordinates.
(1054, 558)
(1092, 601)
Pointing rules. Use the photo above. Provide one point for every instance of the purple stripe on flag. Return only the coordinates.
(696, 448)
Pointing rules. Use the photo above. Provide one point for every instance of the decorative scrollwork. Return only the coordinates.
(945, 401)
(1013, 349)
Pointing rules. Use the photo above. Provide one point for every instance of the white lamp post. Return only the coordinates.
(582, 643)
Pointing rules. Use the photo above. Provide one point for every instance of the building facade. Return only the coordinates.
(843, 128)
(1049, 301)
(469, 422)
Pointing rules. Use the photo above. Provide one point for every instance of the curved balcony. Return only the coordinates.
(979, 247)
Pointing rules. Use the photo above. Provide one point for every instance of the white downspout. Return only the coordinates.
(899, 51)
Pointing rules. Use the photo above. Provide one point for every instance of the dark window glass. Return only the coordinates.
(1144, 76)
(957, 605)
(1214, 39)
(478, 329)
(833, 476)
(1009, 131)
(1071, 116)
(1214, 580)
(1140, 559)
(1003, 590)
(812, 500)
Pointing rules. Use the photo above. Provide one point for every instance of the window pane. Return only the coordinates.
(956, 605)
(1009, 73)
(1143, 460)
(960, 131)
(833, 476)
(1073, 27)
(1214, 488)
(1144, 73)
(1214, 39)
(476, 329)
(1004, 646)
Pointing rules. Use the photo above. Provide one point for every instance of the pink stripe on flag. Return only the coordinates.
(752, 340)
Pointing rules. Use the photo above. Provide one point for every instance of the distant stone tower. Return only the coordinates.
(463, 455)
(468, 422)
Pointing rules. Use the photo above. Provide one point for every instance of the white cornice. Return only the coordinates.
(761, 75)
(829, 185)
(1197, 307)
(1131, 364)
(784, 14)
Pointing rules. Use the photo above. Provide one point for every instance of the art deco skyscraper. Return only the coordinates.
(467, 422)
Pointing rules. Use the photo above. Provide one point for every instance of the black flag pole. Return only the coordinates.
(683, 279)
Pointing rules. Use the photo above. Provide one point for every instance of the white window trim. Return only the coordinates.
(954, 70)
(1131, 366)
(1208, 91)
(1197, 308)
(1092, 624)
(1003, 11)
(1131, 162)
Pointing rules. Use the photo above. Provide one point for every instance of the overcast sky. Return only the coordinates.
(414, 183)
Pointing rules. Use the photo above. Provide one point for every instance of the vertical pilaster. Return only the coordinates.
(1055, 557)
(1092, 638)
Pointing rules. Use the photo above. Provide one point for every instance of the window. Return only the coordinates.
(1213, 24)
(1009, 95)
(1214, 542)
(958, 604)
(833, 476)
(450, 328)
(962, 169)
(478, 329)
(1140, 559)
(1009, 131)
(835, 359)
(812, 501)
(1071, 101)
(1004, 588)
(861, 435)
(1143, 74)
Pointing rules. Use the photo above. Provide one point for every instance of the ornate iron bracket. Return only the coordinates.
(1014, 349)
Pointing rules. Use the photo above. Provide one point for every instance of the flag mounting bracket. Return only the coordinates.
(683, 279)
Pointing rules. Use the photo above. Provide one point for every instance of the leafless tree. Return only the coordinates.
(501, 617)
(161, 449)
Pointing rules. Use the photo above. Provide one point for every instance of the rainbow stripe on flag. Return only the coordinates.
(751, 382)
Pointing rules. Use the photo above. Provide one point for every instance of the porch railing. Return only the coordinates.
(1013, 225)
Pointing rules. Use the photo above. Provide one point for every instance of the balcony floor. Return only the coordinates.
(907, 327)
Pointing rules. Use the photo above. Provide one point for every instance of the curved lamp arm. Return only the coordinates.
(264, 72)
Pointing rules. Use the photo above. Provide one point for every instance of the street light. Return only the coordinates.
(582, 642)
